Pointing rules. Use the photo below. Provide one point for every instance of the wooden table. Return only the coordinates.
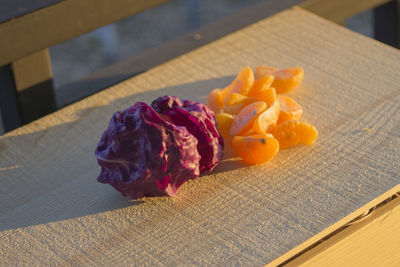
(53, 211)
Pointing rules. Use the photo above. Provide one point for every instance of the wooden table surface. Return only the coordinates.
(53, 211)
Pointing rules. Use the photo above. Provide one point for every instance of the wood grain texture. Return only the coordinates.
(370, 242)
(53, 211)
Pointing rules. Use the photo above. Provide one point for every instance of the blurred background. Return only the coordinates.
(88, 53)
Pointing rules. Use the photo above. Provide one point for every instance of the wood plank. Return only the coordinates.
(340, 10)
(53, 211)
(168, 50)
(12, 9)
(60, 22)
(371, 242)
(31, 70)
(30, 90)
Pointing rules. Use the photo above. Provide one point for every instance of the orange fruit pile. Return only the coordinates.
(256, 118)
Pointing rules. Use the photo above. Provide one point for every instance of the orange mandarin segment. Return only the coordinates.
(263, 82)
(244, 119)
(234, 99)
(215, 100)
(262, 90)
(267, 120)
(262, 71)
(308, 133)
(238, 99)
(235, 102)
(268, 95)
(234, 110)
(224, 122)
(289, 109)
(243, 82)
(291, 133)
(255, 149)
(285, 80)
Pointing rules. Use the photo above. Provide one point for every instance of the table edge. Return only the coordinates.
(313, 241)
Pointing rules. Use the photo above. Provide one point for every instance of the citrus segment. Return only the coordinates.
(244, 119)
(285, 80)
(235, 102)
(215, 100)
(289, 109)
(224, 122)
(255, 149)
(252, 114)
(262, 71)
(263, 91)
(267, 120)
(291, 133)
(234, 110)
(268, 96)
(238, 99)
(243, 82)
(263, 82)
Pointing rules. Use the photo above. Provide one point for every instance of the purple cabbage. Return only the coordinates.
(199, 120)
(143, 153)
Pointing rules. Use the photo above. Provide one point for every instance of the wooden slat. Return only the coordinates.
(31, 70)
(54, 212)
(60, 22)
(171, 49)
(29, 94)
(12, 9)
(340, 10)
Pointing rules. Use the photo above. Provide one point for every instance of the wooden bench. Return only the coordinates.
(302, 207)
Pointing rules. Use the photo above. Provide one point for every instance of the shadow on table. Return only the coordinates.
(54, 171)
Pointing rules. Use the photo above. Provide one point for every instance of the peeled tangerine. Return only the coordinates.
(267, 120)
(291, 133)
(245, 118)
(215, 100)
(224, 122)
(236, 99)
(235, 102)
(285, 80)
(263, 91)
(243, 82)
(289, 109)
(255, 149)
(259, 119)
